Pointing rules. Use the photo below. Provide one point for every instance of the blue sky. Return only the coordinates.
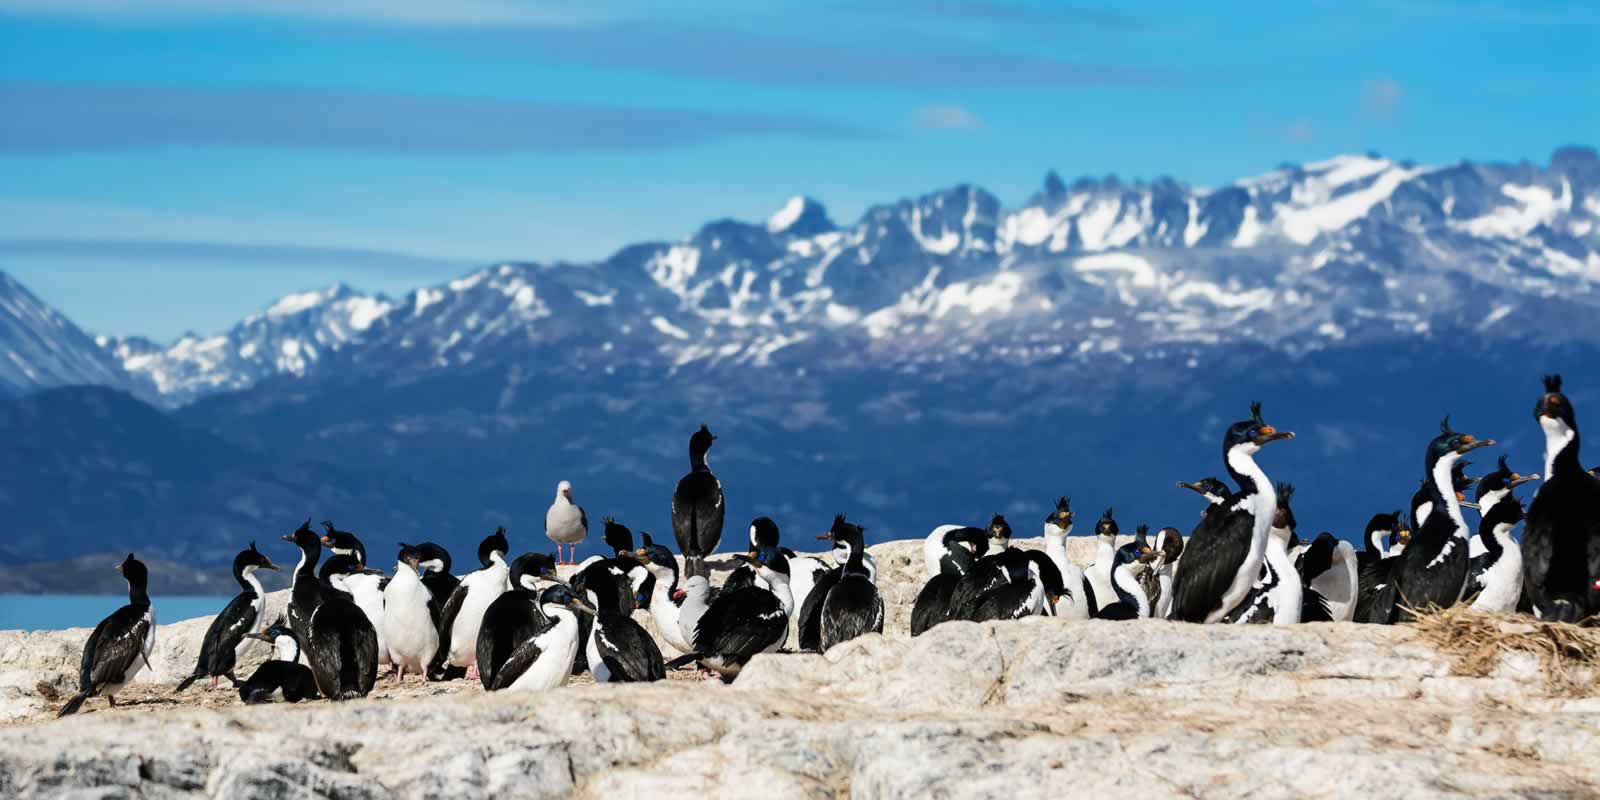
(175, 164)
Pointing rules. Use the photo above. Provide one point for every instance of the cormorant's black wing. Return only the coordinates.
(1215, 551)
(447, 623)
(810, 622)
(989, 575)
(294, 679)
(440, 586)
(116, 643)
(741, 578)
(933, 602)
(343, 651)
(217, 651)
(521, 658)
(1476, 567)
(1314, 607)
(510, 620)
(852, 608)
(697, 512)
(740, 624)
(1385, 595)
(1008, 601)
(628, 651)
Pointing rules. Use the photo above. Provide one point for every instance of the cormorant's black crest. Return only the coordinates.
(1503, 467)
(1285, 494)
(1552, 384)
(252, 545)
(1063, 504)
(645, 537)
(1255, 412)
(617, 535)
(493, 543)
(1444, 425)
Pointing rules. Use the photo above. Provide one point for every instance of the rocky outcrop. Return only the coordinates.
(1040, 707)
(1036, 708)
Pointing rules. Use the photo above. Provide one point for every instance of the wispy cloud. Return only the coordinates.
(1300, 131)
(427, 13)
(167, 252)
(1381, 99)
(1013, 12)
(72, 117)
(697, 51)
(946, 117)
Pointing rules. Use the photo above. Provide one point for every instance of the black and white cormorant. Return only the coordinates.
(1494, 578)
(602, 576)
(666, 602)
(1377, 563)
(1215, 492)
(565, 523)
(120, 645)
(339, 642)
(1130, 601)
(514, 617)
(1492, 488)
(408, 632)
(619, 543)
(618, 648)
(1222, 559)
(1074, 601)
(1279, 595)
(305, 592)
(999, 533)
(744, 622)
(1098, 573)
(366, 587)
(1422, 504)
(853, 606)
(697, 507)
(1329, 572)
(809, 622)
(463, 611)
(932, 605)
(228, 636)
(1432, 572)
(544, 660)
(1034, 586)
(435, 567)
(1561, 537)
(1167, 549)
(282, 678)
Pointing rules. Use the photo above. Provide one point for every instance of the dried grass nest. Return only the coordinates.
(1477, 641)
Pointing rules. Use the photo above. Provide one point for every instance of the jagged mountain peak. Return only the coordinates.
(800, 216)
(40, 348)
(1301, 257)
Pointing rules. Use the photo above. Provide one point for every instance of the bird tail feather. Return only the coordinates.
(73, 705)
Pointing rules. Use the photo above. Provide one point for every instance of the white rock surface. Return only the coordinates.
(1037, 708)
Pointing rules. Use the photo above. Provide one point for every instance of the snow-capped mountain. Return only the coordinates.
(1355, 249)
(40, 348)
(943, 357)
(288, 338)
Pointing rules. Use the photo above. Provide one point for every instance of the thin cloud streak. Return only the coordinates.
(44, 118)
(946, 117)
(420, 13)
(299, 256)
(692, 51)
